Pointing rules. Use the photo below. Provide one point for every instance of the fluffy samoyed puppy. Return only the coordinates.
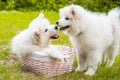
(93, 35)
(36, 39)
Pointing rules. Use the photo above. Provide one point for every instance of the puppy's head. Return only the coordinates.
(42, 31)
(42, 36)
(69, 18)
(39, 22)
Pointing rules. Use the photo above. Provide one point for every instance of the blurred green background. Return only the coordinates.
(54, 5)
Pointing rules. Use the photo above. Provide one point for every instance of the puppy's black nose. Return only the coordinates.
(57, 22)
(56, 28)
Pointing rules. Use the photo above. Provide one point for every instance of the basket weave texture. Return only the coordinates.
(50, 67)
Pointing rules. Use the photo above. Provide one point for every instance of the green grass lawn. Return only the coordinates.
(12, 23)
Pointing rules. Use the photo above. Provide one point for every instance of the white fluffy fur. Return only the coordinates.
(36, 39)
(93, 35)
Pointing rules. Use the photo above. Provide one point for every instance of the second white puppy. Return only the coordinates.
(93, 35)
(36, 39)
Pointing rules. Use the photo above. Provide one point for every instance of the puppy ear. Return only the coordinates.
(36, 33)
(75, 12)
(41, 15)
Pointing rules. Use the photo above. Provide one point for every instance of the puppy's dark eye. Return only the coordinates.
(46, 30)
(67, 18)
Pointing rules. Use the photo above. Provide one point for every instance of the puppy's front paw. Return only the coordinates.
(66, 57)
(110, 62)
(80, 69)
(77, 69)
(90, 72)
(62, 58)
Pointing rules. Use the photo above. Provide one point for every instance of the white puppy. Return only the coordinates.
(36, 39)
(93, 35)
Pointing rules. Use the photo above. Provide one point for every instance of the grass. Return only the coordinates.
(13, 22)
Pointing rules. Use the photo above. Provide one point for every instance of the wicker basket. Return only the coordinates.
(50, 67)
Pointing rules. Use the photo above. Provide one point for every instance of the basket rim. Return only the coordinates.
(70, 51)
